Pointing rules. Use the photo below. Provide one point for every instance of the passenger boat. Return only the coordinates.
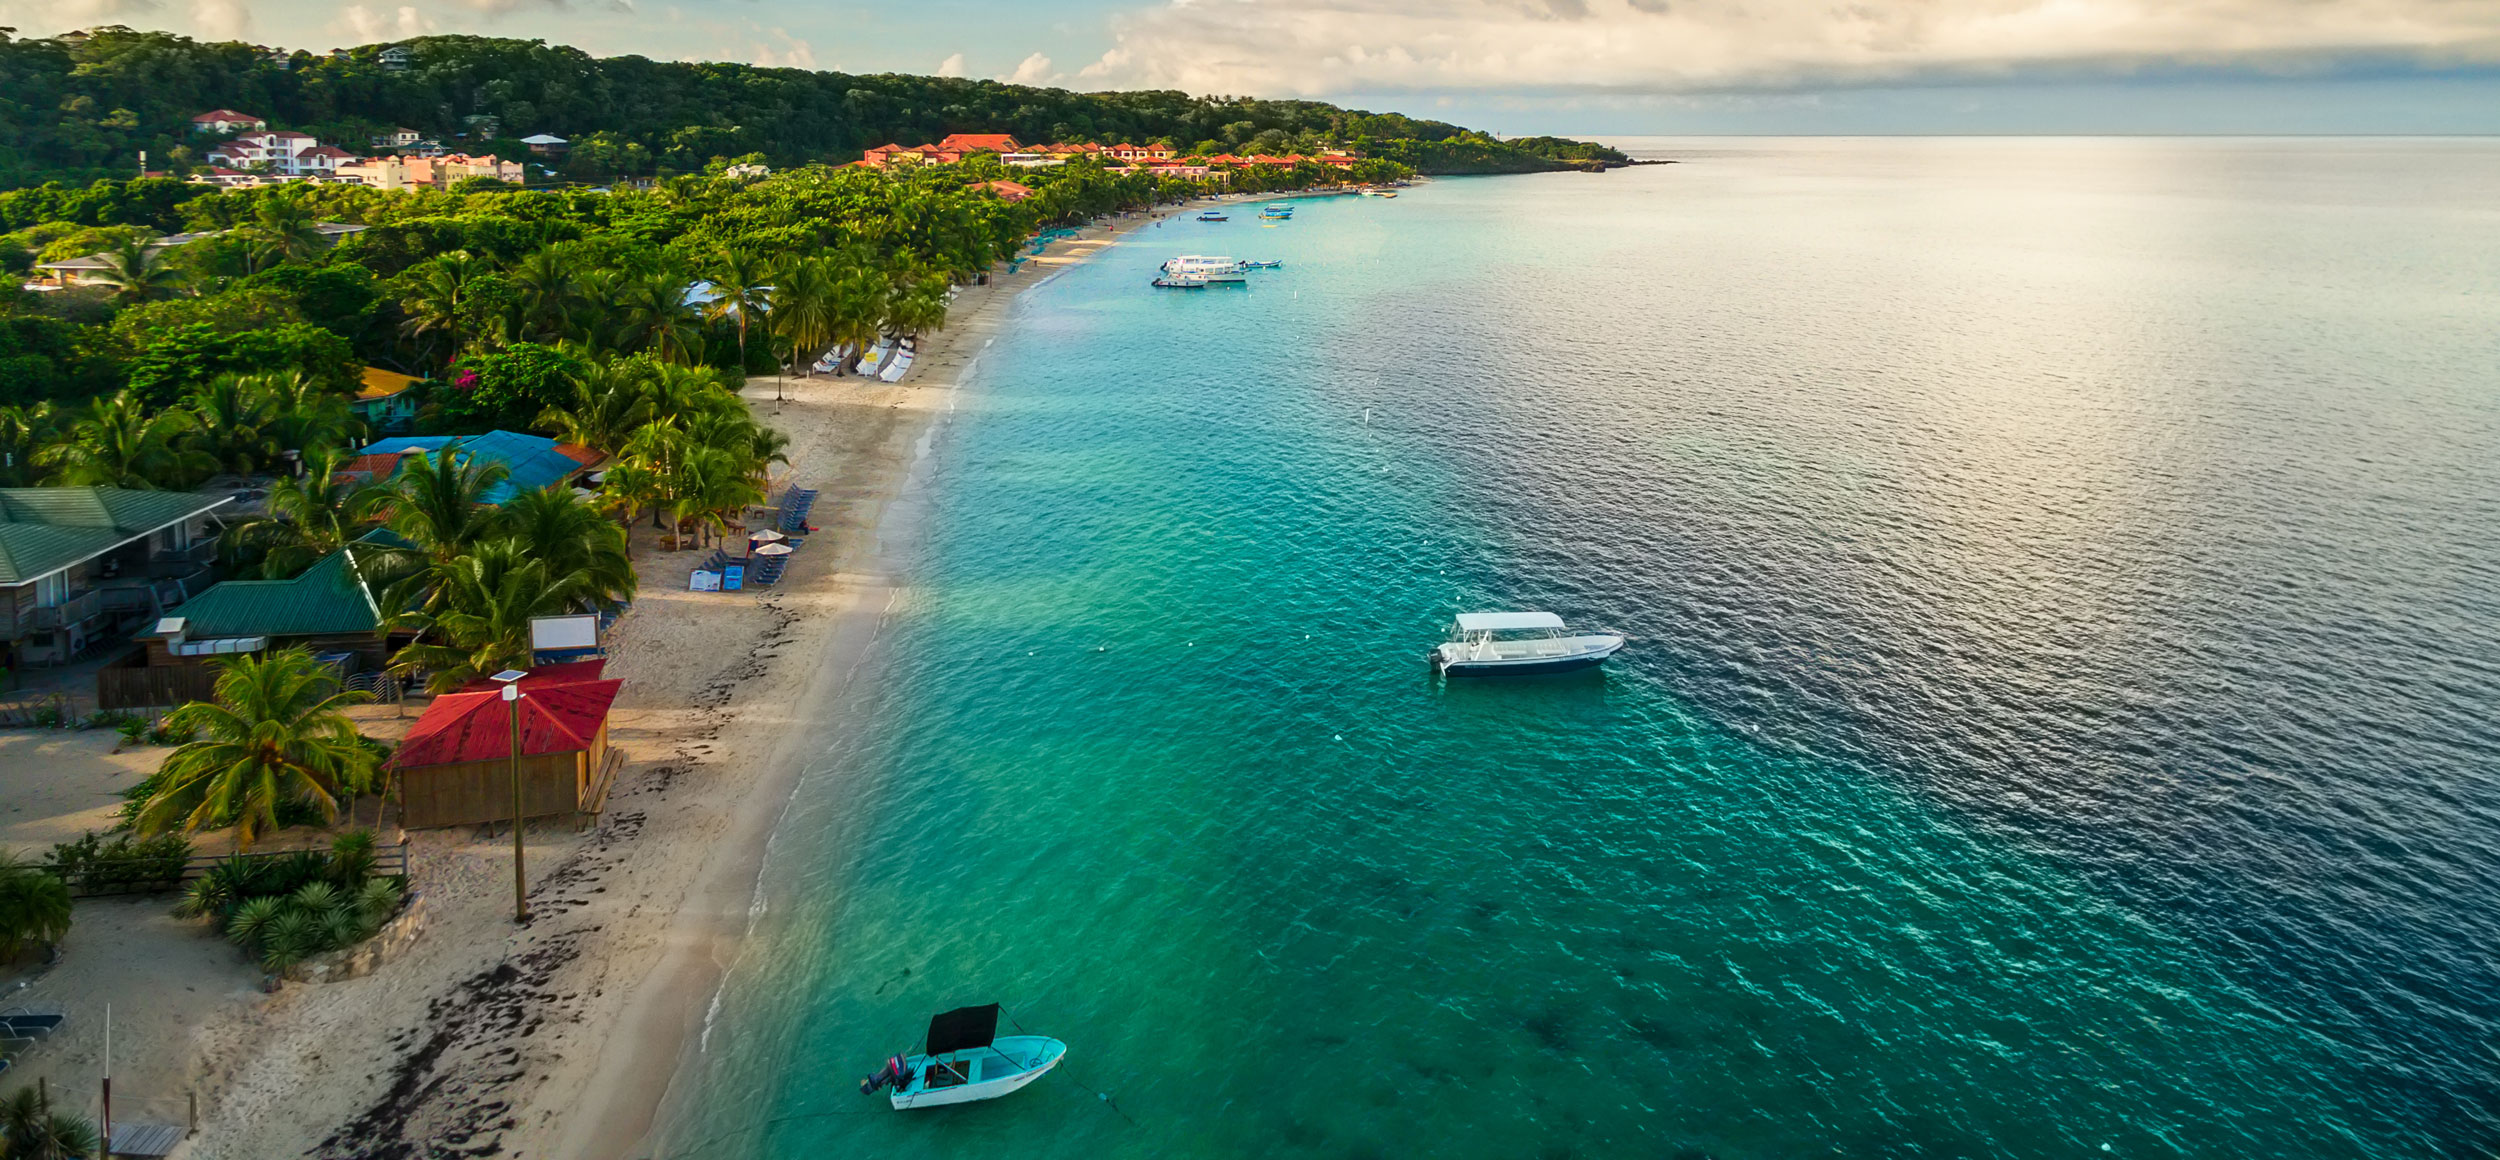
(1484, 644)
(1214, 215)
(965, 1059)
(1181, 282)
(1270, 264)
(1277, 210)
(1203, 264)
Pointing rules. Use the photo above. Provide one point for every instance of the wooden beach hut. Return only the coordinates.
(455, 767)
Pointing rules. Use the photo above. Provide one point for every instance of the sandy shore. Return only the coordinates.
(562, 1037)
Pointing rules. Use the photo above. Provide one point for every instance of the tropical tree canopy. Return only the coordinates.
(274, 733)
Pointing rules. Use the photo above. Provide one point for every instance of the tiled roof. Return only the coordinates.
(222, 115)
(46, 529)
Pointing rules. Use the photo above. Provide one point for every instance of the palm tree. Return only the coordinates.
(305, 415)
(231, 421)
(118, 444)
(283, 228)
(23, 431)
(571, 538)
(919, 312)
(309, 517)
(437, 502)
(743, 282)
(274, 733)
(34, 907)
(656, 315)
(803, 305)
(711, 485)
(438, 298)
(609, 405)
(549, 292)
(29, 1129)
(136, 269)
(859, 311)
(482, 622)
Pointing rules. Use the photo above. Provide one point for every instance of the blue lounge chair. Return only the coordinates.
(733, 578)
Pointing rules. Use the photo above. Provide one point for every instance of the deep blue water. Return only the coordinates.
(2061, 577)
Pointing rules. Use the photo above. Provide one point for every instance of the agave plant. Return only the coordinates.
(253, 921)
(316, 896)
(295, 935)
(377, 900)
(351, 859)
(341, 926)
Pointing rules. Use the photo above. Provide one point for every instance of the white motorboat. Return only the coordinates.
(1203, 264)
(1485, 644)
(966, 1060)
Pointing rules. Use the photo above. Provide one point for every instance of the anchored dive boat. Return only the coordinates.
(1484, 644)
(966, 1060)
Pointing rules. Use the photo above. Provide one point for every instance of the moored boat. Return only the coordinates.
(1203, 264)
(1507, 643)
(964, 1060)
(1214, 216)
(1181, 282)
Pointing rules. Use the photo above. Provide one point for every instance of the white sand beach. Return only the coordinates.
(559, 1038)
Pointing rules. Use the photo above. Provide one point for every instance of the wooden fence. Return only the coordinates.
(151, 687)
(105, 882)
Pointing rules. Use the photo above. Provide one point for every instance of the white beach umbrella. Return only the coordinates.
(768, 536)
(774, 550)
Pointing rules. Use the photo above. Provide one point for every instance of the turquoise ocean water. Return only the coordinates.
(2061, 577)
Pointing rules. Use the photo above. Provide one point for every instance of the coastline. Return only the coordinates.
(566, 1037)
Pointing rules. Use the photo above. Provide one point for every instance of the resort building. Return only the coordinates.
(968, 143)
(387, 400)
(429, 172)
(1007, 190)
(885, 155)
(226, 121)
(397, 139)
(530, 462)
(331, 609)
(546, 144)
(1142, 152)
(397, 59)
(456, 766)
(282, 153)
(80, 564)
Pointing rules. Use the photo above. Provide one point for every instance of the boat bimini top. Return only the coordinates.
(1507, 621)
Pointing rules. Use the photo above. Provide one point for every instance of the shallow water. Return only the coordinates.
(2061, 577)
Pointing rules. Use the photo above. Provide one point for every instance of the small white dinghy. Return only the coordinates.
(966, 1060)
(1484, 644)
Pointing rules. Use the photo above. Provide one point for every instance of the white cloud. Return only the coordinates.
(1325, 46)
(373, 26)
(952, 66)
(221, 19)
(791, 52)
(1034, 70)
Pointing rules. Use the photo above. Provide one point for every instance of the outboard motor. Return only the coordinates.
(893, 1076)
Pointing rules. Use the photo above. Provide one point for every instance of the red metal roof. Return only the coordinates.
(568, 673)
(988, 142)
(555, 718)
(580, 454)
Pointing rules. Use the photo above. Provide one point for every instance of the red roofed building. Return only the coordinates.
(226, 121)
(455, 768)
(1007, 190)
(884, 155)
(980, 143)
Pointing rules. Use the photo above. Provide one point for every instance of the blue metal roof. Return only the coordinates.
(532, 461)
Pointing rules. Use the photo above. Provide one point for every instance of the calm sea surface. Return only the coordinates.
(2064, 585)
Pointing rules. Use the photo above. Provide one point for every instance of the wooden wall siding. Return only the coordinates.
(469, 793)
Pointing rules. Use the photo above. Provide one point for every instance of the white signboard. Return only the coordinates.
(563, 633)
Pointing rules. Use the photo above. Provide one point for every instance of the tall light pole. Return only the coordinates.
(511, 679)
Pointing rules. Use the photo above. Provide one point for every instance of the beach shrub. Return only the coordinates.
(110, 719)
(126, 864)
(34, 906)
(274, 735)
(281, 911)
(31, 1129)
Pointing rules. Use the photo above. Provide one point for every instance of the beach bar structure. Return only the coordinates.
(455, 768)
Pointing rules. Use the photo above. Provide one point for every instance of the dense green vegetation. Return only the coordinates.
(76, 111)
(34, 907)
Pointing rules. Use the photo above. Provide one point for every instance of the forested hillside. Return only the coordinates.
(73, 111)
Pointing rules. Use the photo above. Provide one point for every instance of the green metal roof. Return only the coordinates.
(46, 529)
(327, 599)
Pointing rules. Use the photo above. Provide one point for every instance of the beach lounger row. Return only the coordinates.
(795, 506)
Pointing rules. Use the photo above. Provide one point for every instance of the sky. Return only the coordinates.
(1593, 67)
